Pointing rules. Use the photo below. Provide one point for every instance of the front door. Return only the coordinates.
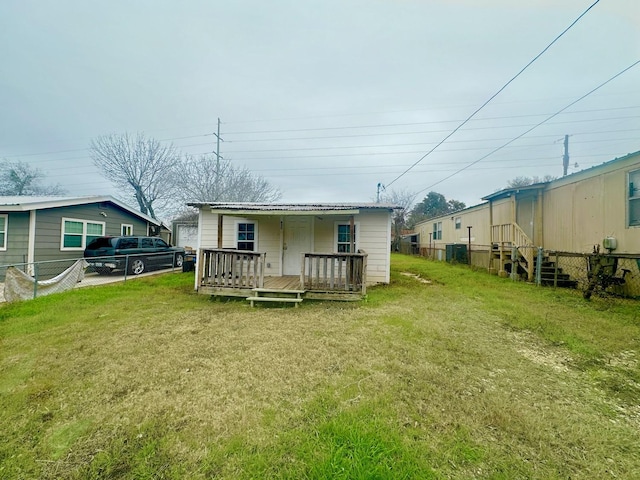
(525, 215)
(296, 241)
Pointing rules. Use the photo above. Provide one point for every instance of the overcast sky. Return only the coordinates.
(324, 99)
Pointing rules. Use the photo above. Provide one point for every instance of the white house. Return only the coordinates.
(319, 250)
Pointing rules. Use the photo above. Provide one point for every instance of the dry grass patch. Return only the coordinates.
(420, 381)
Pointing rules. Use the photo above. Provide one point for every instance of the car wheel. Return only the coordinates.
(103, 270)
(179, 260)
(136, 266)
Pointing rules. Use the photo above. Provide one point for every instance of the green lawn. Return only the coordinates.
(448, 373)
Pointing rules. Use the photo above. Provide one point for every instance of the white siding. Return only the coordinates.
(268, 236)
(375, 240)
(374, 237)
(269, 243)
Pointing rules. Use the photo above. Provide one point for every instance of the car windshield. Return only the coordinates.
(102, 242)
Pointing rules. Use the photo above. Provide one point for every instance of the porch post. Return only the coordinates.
(352, 235)
(491, 220)
(220, 230)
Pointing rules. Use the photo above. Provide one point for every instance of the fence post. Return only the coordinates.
(35, 280)
(514, 265)
(539, 267)
(555, 272)
(126, 267)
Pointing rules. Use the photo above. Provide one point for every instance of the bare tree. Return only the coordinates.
(524, 181)
(18, 178)
(203, 179)
(140, 166)
(403, 199)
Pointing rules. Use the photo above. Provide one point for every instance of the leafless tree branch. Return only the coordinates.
(18, 178)
(140, 166)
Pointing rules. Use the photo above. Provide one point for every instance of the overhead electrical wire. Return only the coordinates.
(231, 155)
(495, 94)
(492, 127)
(550, 162)
(532, 128)
(408, 124)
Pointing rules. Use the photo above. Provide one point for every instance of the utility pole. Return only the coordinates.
(218, 157)
(565, 157)
(217, 152)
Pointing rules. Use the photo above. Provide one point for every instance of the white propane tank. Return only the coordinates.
(610, 243)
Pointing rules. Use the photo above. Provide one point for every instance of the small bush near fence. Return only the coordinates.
(602, 274)
(44, 272)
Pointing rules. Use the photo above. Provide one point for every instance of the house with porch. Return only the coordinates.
(288, 252)
(570, 214)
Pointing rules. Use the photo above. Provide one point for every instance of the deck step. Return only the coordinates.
(277, 290)
(295, 301)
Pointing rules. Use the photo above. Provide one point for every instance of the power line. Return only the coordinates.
(551, 163)
(386, 112)
(506, 117)
(412, 152)
(372, 154)
(376, 153)
(409, 124)
(492, 127)
(422, 132)
(495, 94)
(532, 128)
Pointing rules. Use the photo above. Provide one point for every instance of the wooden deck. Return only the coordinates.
(323, 276)
(286, 282)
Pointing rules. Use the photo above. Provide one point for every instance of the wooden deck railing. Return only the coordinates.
(334, 272)
(231, 268)
(508, 235)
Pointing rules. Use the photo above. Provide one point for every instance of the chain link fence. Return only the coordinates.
(595, 273)
(30, 280)
(478, 256)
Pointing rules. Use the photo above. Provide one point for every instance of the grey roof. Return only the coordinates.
(291, 207)
(506, 191)
(25, 203)
(541, 185)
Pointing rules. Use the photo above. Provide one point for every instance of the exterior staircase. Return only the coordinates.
(552, 275)
(276, 295)
(507, 236)
(504, 238)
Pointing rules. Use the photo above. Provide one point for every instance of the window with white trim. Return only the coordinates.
(437, 231)
(3, 231)
(343, 237)
(246, 236)
(634, 198)
(77, 234)
(126, 230)
(458, 222)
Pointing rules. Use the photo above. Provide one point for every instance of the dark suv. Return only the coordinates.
(136, 254)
